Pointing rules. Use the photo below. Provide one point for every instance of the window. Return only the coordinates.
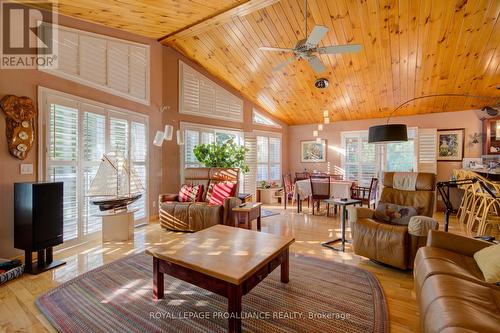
(268, 158)
(401, 156)
(201, 134)
(260, 119)
(361, 160)
(200, 96)
(114, 65)
(364, 160)
(77, 133)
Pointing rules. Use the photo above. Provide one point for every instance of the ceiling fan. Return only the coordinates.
(305, 48)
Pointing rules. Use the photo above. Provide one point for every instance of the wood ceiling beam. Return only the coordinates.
(239, 9)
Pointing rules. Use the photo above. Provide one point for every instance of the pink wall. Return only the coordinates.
(171, 152)
(25, 82)
(470, 120)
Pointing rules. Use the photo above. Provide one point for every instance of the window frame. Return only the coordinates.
(46, 95)
(272, 123)
(269, 135)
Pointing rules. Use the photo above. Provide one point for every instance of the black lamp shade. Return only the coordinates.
(387, 133)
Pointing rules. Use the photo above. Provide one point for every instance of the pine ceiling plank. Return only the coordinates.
(409, 48)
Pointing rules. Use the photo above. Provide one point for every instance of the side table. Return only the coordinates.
(246, 213)
(343, 204)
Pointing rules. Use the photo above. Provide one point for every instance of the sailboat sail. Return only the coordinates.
(116, 184)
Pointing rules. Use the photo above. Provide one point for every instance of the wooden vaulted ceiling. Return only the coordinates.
(411, 48)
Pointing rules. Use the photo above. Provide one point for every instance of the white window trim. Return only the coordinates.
(260, 114)
(43, 94)
(100, 87)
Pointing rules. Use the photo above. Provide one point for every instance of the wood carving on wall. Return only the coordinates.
(20, 114)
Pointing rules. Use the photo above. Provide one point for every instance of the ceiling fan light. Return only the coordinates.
(327, 120)
(387, 133)
(315, 133)
(320, 127)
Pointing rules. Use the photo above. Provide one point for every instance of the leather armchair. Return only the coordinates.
(394, 244)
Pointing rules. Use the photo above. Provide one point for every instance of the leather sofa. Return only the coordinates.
(395, 244)
(451, 291)
(194, 216)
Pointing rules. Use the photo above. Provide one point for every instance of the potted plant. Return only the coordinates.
(227, 155)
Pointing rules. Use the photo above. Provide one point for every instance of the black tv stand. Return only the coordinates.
(45, 261)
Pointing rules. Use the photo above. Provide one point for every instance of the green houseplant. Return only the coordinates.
(226, 155)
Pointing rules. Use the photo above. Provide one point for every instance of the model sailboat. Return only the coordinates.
(116, 185)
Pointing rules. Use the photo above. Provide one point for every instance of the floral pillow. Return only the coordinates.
(190, 193)
(393, 213)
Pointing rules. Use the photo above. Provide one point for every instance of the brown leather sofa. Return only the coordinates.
(451, 291)
(194, 216)
(395, 244)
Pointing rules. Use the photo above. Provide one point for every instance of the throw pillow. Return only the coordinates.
(393, 213)
(218, 192)
(190, 193)
(488, 260)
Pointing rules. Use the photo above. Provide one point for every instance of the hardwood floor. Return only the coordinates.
(18, 313)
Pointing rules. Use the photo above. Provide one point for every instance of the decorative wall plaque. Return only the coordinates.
(20, 115)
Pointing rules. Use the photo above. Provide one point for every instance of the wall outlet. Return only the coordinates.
(26, 169)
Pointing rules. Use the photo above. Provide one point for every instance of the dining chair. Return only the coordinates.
(367, 195)
(288, 188)
(301, 176)
(320, 190)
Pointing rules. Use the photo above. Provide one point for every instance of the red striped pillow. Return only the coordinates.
(190, 193)
(217, 192)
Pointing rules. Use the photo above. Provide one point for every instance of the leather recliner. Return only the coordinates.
(195, 216)
(394, 244)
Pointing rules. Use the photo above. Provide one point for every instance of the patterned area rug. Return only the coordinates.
(322, 296)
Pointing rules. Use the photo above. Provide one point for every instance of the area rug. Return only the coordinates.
(322, 296)
(267, 213)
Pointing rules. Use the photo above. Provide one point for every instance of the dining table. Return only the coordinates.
(338, 189)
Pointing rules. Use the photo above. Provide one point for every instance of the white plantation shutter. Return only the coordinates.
(138, 80)
(92, 62)
(192, 139)
(250, 178)
(67, 44)
(427, 155)
(118, 66)
(361, 161)
(113, 65)
(62, 158)
(202, 97)
(138, 156)
(94, 146)
(262, 158)
(118, 135)
(274, 159)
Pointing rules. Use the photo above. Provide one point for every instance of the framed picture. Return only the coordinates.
(450, 144)
(312, 151)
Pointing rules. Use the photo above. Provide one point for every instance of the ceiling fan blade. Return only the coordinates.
(283, 64)
(316, 64)
(334, 49)
(278, 49)
(316, 34)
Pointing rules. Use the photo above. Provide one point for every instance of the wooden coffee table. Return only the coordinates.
(225, 260)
